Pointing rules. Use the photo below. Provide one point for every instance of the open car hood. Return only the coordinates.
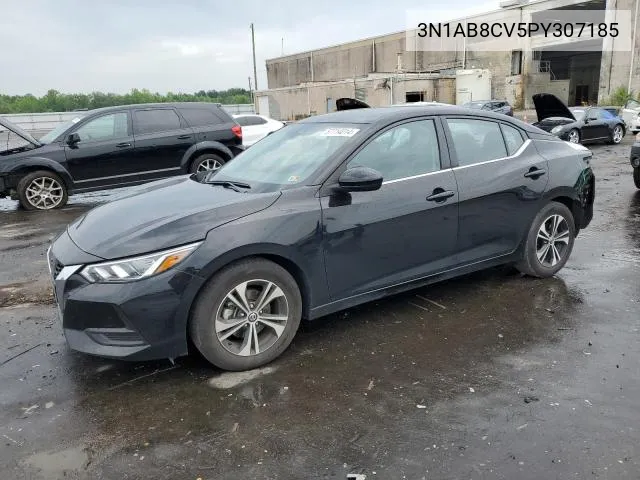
(548, 105)
(7, 125)
(349, 104)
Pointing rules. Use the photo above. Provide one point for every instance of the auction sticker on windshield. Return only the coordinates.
(339, 132)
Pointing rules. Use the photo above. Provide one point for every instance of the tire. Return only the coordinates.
(213, 311)
(636, 176)
(207, 161)
(616, 135)
(42, 190)
(573, 136)
(534, 245)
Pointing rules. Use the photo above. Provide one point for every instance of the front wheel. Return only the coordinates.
(574, 136)
(549, 242)
(617, 134)
(636, 176)
(42, 190)
(247, 315)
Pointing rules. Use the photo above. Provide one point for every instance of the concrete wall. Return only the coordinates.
(513, 91)
(615, 67)
(291, 103)
(541, 83)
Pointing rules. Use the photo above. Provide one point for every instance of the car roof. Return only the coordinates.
(395, 113)
(155, 105)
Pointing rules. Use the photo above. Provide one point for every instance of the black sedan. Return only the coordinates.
(330, 212)
(577, 124)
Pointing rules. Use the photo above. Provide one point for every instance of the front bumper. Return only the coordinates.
(140, 320)
(634, 125)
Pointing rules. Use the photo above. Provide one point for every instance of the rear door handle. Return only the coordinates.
(123, 145)
(184, 137)
(440, 195)
(535, 173)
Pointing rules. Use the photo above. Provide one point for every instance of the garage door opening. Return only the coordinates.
(414, 97)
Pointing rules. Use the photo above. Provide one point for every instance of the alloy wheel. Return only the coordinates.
(252, 317)
(574, 136)
(44, 193)
(552, 241)
(208, 164)
(617, 134)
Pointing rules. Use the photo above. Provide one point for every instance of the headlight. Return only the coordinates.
(134, 268)
(557, 129)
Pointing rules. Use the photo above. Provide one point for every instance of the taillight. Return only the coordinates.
(237, 131)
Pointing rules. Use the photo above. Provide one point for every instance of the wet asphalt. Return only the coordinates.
(490, 376)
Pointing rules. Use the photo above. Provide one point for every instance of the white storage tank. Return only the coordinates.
(472, 85)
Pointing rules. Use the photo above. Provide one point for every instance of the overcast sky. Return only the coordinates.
(164, 45)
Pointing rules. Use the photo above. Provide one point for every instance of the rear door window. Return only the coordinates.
(476, 141)
(155, 120)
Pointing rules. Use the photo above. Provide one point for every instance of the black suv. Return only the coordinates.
(114, 147)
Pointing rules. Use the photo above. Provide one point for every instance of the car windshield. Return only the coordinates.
(288, 156)
(578, 113)
(53, 134)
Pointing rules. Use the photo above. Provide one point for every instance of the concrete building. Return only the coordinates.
(401, 67)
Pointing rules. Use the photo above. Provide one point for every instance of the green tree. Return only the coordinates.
(54, 101)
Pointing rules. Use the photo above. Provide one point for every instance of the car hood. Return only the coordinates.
(7, 125)
(548, 105)
(162, 215)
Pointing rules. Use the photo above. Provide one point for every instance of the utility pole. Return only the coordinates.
(282, 47)
(251, 91)
(253, 46)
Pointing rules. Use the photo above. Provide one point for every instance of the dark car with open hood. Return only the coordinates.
(577, 124)
(114, 147)
(325, 214)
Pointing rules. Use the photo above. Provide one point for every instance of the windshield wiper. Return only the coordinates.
(236, 186)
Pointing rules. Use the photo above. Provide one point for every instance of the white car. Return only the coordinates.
(631, 116)
(256, 127)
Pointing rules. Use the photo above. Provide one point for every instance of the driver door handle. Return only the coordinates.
(123, 145)
(440, 195)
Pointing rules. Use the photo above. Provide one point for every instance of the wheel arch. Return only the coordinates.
(273, 253)
(572, 200)
(203, 148)
(35, 164)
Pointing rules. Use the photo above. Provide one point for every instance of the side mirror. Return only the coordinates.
(360, 179)
(73, 139)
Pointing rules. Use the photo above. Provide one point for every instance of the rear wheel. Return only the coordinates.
(549, 241)
(617, 134)
(42, 190)
(206, 162)
(636, 176)
(247, 315)
(574, 136)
